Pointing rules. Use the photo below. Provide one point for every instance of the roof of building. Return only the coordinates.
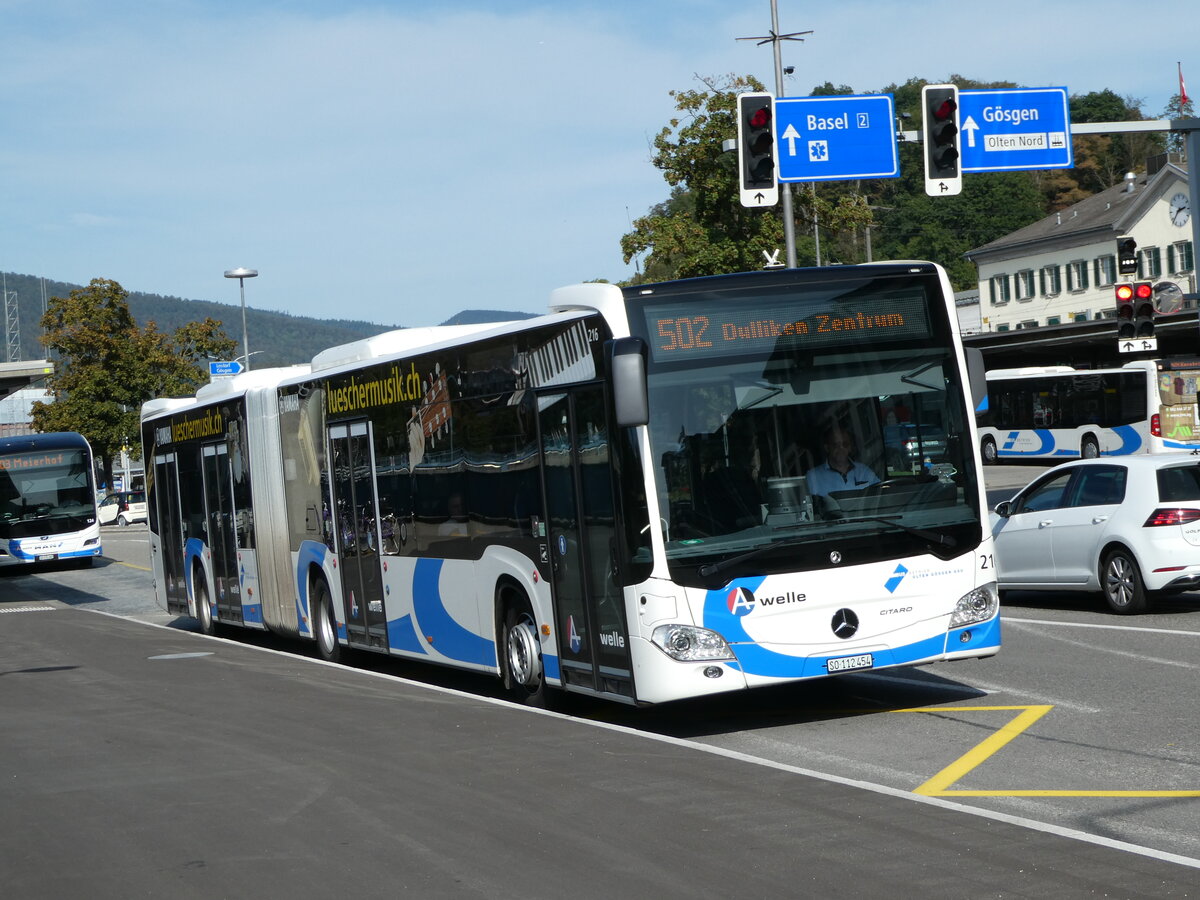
(1109, 213)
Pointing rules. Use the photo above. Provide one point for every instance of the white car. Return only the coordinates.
(1128, 527)
(123, 508)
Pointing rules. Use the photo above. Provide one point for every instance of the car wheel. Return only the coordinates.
(1122, 583)
(122, 521)
(988, 452)
(1089, 449)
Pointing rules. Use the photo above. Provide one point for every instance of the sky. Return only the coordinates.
(397, 162)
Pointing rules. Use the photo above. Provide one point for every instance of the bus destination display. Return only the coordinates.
(740, 329)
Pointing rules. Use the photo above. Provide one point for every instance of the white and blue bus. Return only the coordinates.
(47, 499)
(1057, 412)
(609, 499)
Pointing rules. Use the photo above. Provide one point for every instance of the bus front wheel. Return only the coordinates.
(988, 451)
(326, 625)
(1089, 449)
(521, 660)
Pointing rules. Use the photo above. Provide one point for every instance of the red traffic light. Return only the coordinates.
(1142, 290)
(945, 109)
(1124, 293)
(761, 117)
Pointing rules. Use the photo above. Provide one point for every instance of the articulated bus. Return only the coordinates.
(1057, 412)
(608, 499)
(47, 499)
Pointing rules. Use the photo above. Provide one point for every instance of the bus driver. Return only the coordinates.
(839, 472)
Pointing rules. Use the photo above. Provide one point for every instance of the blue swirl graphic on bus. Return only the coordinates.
(447, 636)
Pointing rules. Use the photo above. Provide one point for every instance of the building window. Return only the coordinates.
(1179, 257)
(1079, 317)
(1024, 282)
(1053, 320)
(1003, 326)
(1077, 275)
(1051, 280)
(998, 285)
(1150, 262)
(1028, 323)
(1106, 270)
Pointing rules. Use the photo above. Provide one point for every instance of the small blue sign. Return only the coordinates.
(836, 138)
(1012, 129)
(224, 368)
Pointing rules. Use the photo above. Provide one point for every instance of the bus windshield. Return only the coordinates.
(45, 492)
(807, 418)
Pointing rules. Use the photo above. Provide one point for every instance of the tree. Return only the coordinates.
(106, 367)
(702, 229)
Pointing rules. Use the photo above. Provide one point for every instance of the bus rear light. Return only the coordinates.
(1171, 516)
(1156, 425)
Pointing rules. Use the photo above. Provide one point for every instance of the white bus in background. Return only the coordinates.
(47, 499)
(1057, 412)
(550, 500)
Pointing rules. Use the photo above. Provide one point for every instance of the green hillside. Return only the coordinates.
(283, 338)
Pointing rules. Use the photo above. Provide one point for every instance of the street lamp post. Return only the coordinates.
(241, 274)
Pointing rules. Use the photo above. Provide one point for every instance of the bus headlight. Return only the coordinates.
(687, 643)
(977, 606)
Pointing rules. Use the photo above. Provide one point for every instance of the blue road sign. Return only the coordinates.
(836, 138)
(1008, 129)
(224, 367)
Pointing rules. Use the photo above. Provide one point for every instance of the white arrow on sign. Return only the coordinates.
(970, 127)
(791, 135)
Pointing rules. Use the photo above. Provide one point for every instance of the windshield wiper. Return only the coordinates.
(716, 568)
(933, 537)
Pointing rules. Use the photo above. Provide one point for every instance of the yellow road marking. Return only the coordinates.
(939, 784)
(131, 565)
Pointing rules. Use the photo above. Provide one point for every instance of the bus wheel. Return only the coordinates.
(1089, 449)
(521, 663)
(988, 451)
(1122, 583)
(203, 610)
(326, 627)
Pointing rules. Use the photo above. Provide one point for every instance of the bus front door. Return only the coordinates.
(578, 489)
(357, 529)
(168, 525)
(221, 536)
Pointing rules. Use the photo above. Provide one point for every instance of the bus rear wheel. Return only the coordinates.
(203, 610)
(1089, 449)
(326, 624)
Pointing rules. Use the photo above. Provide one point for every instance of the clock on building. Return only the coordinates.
(1179, 209)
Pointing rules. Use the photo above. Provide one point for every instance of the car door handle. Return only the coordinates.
(1097, 520)
(1045, 522)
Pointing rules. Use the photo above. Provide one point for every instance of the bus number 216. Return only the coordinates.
(686, 333)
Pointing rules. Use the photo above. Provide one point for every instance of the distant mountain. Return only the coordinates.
(284, 339)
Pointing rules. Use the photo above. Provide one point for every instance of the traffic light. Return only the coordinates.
(757, 177)
(1143, 309)
(1135, 310)
(939, 134)
(1126, 256)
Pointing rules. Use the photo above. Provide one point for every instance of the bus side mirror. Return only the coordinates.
(976, 376)
(627, 364)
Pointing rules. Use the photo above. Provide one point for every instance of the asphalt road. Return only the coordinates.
(1068, 765)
